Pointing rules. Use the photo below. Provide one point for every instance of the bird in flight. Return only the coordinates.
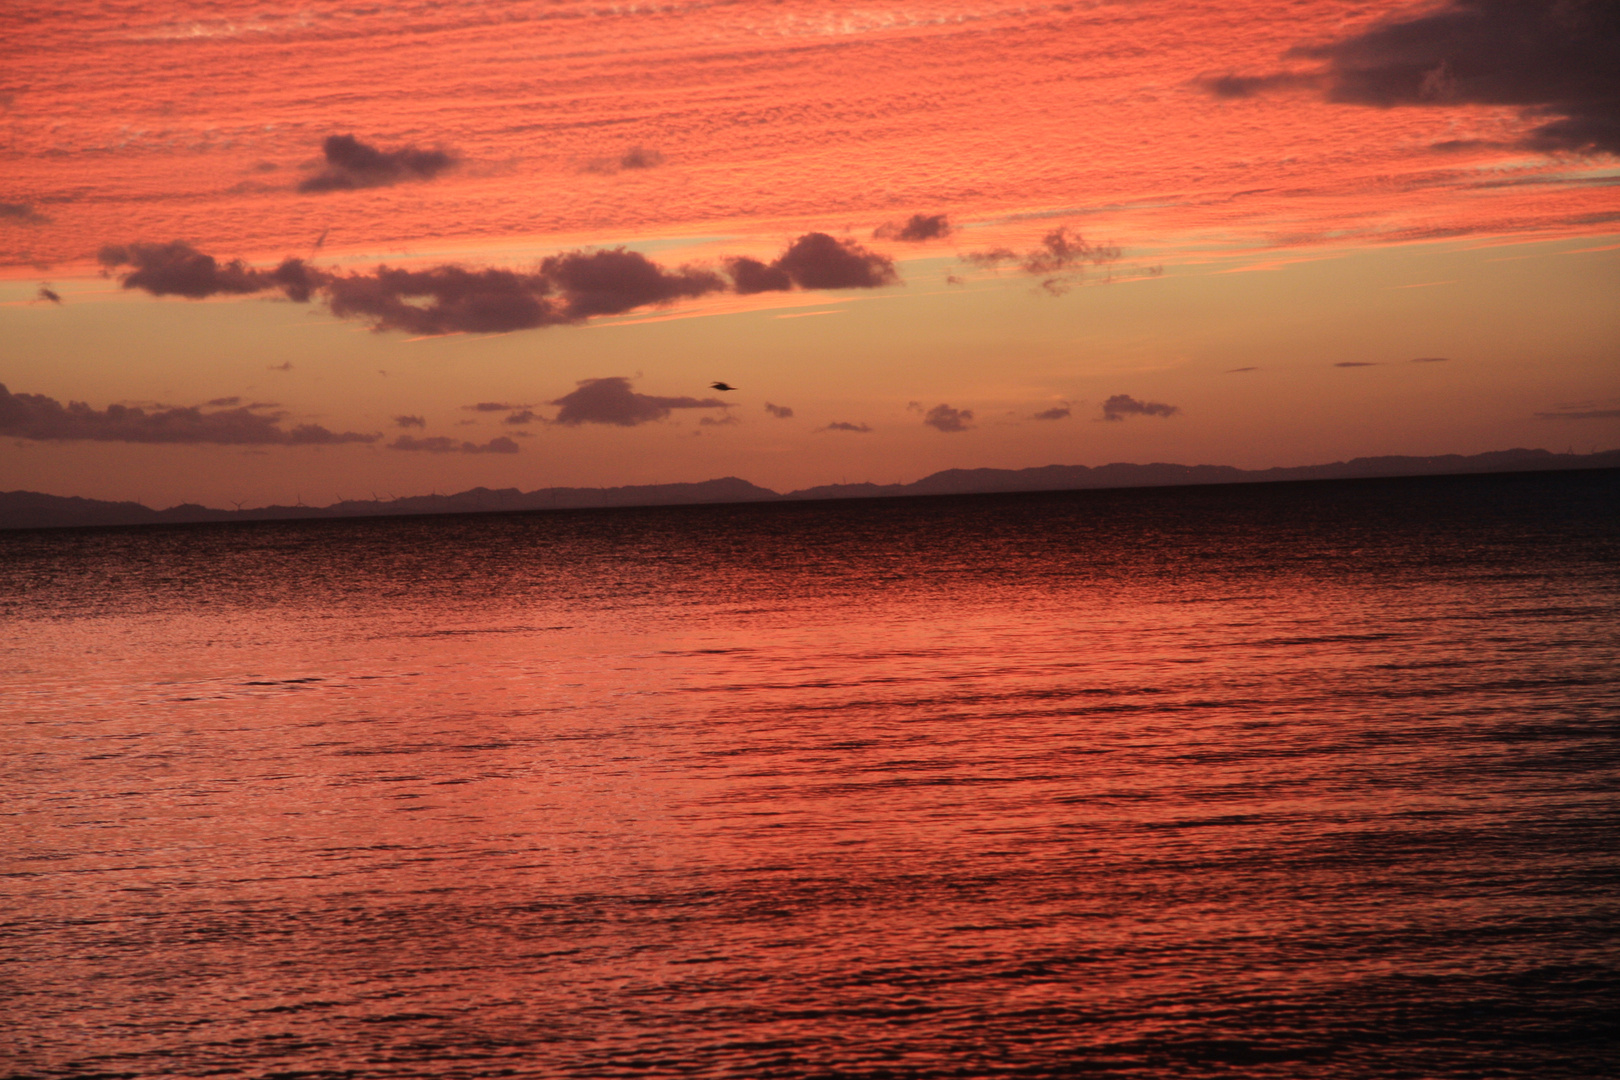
(721, 386)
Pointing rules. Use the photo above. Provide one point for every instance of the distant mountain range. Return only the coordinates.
(32, 510)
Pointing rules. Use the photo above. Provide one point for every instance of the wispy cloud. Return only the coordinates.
(781, 412)
(916, 229)
(1059, 259)
(440, 444)
(844, 425)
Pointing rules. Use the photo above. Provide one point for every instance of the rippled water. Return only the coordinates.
(1294, 780)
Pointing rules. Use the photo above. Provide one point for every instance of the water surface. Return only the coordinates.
(1273, 780)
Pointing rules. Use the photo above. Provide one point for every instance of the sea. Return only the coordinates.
(1267, 780)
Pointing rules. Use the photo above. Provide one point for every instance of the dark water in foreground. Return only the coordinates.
(1288, 781)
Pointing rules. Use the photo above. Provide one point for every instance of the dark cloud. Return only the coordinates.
(915, 229)
(410, 421)
(945, 418)
(439, 444)
(49, 295)
(618, 280)
(567, 288)
(444, 300)
(523, 416)
(612, 401)
(1120, 406)
(34, 416)
(1556, 60)
(723, 421)
(1234, 371)
(178, 269)
(842, 425)
(781, 412)
(22, 212)
(1057, 412)
(497, 406)
(1060, 259)
(352, 164)
(285, 365)
(1430, 359)
(224, 402)
(752, 276)
(818, 261)
(1355, 363)
(1591, 414)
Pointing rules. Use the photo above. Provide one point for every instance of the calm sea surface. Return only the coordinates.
(1286, 780)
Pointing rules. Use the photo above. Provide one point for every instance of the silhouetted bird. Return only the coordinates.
(721, 386)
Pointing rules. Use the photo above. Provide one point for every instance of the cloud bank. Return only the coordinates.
(37, 417)
(568, 288)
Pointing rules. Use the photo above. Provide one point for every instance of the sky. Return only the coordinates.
(263, 253)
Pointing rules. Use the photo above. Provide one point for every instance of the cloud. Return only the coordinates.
(439, 444)
(1430, 359)
(752, 276)
(352, 164)
(22, 212)
(1243, 86)
(444, 300)
(523, 416)
(611, 401)
(178, 269)
(1060, 258)
(1355, 363)
(1558, 61)
(285, 365)
(410, 421)
(49, 295)
(1120, 406)
(842, 425)
(34, 416)
(818, 261)
(1057, 412)
(614, 281)
(496, 406)
(724, 421)
(781, 412)
(224, 402)
(915, 229)
(1234, 371)
(637, 157)
(945, 418)
(1593, 414)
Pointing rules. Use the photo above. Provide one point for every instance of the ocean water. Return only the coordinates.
(1314, 780)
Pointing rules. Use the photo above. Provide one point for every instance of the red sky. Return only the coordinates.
(1321, 192)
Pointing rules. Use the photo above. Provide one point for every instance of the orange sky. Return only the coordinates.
(1297, 230)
